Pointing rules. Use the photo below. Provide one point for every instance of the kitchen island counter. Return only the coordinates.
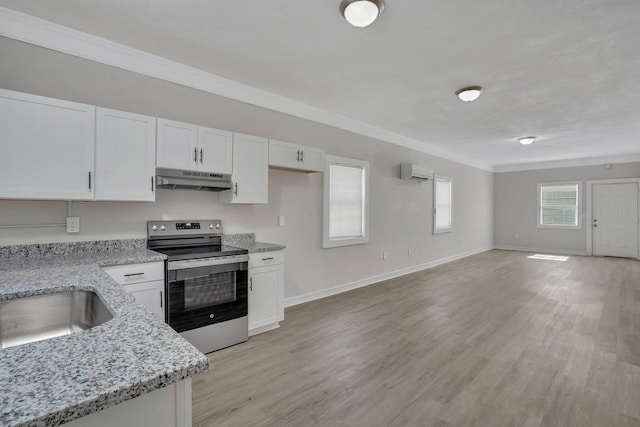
(54, 381)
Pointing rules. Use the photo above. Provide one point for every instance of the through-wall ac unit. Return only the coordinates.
(417, 172)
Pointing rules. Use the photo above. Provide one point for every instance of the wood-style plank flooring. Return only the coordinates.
(496, 339)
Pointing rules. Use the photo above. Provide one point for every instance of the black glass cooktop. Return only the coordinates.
(194, 252)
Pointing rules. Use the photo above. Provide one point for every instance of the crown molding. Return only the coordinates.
(590, 161)
(26, 28)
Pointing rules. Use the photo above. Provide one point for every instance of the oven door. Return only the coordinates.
(204, 292)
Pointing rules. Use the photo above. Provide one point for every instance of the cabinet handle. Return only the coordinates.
(236, 188)
(298, 158)
(267, 259)
(89, 180)
(133, 274)
(251, 284)
(161, 299)
(152, 184)
(201, 155)
(302, 156)
(195, 155)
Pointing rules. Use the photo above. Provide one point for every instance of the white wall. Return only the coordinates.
(516, 206)
(400, 210)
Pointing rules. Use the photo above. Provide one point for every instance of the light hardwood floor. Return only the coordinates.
(496, 339)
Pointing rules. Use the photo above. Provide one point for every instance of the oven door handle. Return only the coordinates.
(206, 262)
(173, 282)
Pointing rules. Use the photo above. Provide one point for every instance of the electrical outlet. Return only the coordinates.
(516, 236)
(409, 251)
(385, 255)
(281, 220)
(73, 224)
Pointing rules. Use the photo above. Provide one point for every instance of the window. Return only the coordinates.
(442, 196)
(346, 202)
(559, 205)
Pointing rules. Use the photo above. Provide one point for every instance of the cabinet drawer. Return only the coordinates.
(261, 259)
(136, 273)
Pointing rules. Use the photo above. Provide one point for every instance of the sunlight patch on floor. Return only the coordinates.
(549, 257)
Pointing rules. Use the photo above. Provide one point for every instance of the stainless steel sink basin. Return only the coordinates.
(40, 317)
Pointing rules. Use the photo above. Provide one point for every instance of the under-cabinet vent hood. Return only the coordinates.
(168, 178)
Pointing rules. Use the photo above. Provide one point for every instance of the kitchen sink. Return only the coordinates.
(40, 317)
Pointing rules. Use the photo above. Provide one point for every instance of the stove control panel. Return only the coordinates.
(184, 228)
(187, 226)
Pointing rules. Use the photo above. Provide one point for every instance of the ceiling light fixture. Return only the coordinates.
(469, 94)
(361, 13)
(526, 140)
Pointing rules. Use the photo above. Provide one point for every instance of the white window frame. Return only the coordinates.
(328, 242)
(449, 229)
(578, 207)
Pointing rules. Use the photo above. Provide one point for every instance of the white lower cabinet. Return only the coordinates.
(266, 291)
(149, 294)
(169, 406)
(145, 282)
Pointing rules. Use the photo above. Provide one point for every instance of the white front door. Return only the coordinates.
(615, 220)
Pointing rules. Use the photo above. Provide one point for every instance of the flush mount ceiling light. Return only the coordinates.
(526, 140)
(361, 13)
(469, 94)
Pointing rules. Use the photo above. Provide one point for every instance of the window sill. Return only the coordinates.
(336, 243)
(443, 230)
(562, 227)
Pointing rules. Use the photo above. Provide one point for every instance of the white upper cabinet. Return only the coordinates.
(47, 148)
(125, 156)
(184, 146)
(215, 150)
(176, 145)
(285, 155)
(250, 171)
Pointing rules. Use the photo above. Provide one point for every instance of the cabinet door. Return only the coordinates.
(215, 150)
(312, 159)
(47, 148)
(149, 294)
(250, 171)
(284, 154)
(125, 156)
(177, 145)
(265, 296)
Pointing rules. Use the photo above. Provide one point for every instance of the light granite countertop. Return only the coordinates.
(248, 241)
(50, 382)
(261, 247)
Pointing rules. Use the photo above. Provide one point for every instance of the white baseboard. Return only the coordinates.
(545, 250)
(262, 329)
(323, 293)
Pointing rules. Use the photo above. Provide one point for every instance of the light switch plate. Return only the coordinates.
(73, 224)
(281, 220)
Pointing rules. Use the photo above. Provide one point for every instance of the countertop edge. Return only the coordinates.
(117, 396)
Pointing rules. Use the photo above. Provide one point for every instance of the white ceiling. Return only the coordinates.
(567, 71)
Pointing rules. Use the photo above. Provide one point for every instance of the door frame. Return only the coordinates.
(589, 219)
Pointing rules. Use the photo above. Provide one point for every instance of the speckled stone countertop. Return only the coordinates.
(50, 382)
(248, 241)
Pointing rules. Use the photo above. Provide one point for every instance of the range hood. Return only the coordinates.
(175, 179)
